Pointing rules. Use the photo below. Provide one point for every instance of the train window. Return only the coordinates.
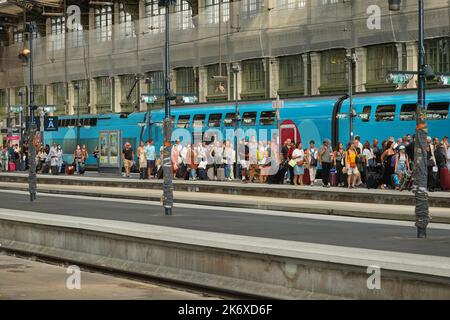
(249, 118)
(385, 113)
(408, 112)
(199, 121)
(230, 120)
(267, 118)
(365, 115)
(437, 111)
(214, 120)
(183, 121)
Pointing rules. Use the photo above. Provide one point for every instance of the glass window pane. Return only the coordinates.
(249, 119)
(437, 111)
(408, 112)
(385, 113)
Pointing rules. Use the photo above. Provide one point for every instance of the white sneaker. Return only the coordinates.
(243, 178)
(229, 179)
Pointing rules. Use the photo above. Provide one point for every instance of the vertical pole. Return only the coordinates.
(167, 153)
(32, 183)
(350, 94)
(78, 114)
(66, 82)
(236, 122)
(420, 143)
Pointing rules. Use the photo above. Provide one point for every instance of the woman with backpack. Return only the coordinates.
(401, 163)
(313, 155)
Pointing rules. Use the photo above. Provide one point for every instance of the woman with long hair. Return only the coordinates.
(339, 163)
(299, 169)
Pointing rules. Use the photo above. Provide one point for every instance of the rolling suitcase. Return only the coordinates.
(333, 177)
(11, 167)
(210, 173)
(445, 178)
(277, 178)
(70, 170)
(221, 174)
(45, 168)
(373, 180)
(55, 170)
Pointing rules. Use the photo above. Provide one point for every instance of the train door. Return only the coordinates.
(289, 130)
(110, 159)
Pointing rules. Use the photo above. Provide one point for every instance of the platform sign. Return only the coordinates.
(50, 123)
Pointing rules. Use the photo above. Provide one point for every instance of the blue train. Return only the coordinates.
(379, 115)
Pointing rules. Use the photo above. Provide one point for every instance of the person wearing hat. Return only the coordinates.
(401, 162)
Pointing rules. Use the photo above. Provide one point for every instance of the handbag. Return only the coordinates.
(292, 163)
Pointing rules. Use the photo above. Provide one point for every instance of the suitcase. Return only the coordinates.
(373, 180)
(277, 178)
(181, 172)
(445, 178)
(407, 182)
(70, 170)
(210, 173)
(11, 167)
(55, 170)
(306, 177)
(333, 178)
(221, 174)
(45, 168)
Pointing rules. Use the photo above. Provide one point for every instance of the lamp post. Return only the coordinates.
(167, 151)
(21, 93)
(420, 142)
(235, 71)
(351, 59)
(77, 87)
(26, 55)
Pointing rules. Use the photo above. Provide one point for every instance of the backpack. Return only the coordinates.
(314, 161)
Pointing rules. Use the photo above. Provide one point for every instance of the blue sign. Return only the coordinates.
(51, 124)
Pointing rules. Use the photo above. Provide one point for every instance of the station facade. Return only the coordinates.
(285, 48)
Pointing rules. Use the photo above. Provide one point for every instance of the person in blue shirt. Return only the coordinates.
(151, 157)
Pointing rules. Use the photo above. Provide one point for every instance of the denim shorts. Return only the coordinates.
(150, 163)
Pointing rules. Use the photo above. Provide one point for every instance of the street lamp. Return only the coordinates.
(77, 87)
(21, 94)
(167, 159)
(26, 56)
(351, 59)
(420, 142)
(235, 70)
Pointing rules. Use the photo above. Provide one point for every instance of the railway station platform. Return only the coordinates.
(378, 204)
(249, 252)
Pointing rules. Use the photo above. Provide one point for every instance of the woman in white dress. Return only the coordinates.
(299, 169)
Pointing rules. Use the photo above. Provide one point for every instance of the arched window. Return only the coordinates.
(183, 15)
(155, 16)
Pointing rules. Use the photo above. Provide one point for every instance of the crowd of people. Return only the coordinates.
(368, 164)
